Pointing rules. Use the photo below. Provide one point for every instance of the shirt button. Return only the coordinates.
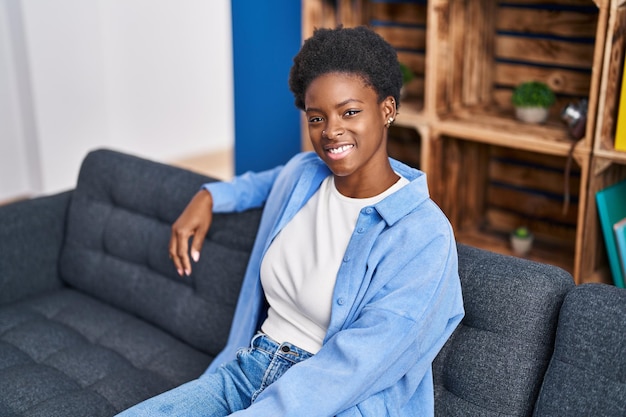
(285, 349)
(360, 230)
(346, 258)
(369, 210)
(341, 301)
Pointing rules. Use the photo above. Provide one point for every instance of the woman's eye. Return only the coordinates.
(352, 112)
(315, 119)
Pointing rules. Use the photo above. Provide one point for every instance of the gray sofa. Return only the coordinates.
(94, 318)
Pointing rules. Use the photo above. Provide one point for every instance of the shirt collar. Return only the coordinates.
(400, 203)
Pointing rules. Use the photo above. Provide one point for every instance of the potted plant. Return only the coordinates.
(532, 99)
(407, 77)
(521, 241)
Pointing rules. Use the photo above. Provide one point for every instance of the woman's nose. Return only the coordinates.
(333, 130)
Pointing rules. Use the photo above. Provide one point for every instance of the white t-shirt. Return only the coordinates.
(300, 267)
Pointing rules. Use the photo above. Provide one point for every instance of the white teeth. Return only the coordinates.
(340, 149)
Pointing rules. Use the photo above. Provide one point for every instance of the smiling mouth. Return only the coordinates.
(340, 149)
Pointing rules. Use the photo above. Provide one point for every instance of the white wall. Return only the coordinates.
(15, 178)
(149, 77)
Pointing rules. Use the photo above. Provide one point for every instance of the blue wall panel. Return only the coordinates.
(266, 36)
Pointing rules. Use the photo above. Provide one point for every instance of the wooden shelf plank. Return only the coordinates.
(549, 253)
(551, 138)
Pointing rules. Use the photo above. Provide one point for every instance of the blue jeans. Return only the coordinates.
(234, 386)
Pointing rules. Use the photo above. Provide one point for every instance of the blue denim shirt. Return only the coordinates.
(396, 301)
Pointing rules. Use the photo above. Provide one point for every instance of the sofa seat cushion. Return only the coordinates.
(66, 353)
(494, 361)
(587, 373)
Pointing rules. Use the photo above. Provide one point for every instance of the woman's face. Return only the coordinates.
(347, 127)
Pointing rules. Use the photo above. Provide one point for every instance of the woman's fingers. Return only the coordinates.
(177, 252)
(194, 222)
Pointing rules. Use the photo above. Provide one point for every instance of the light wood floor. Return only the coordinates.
(218, 164)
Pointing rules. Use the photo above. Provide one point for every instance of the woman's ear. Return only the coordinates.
(389, 110)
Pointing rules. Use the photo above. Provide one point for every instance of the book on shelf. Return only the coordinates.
(620, 130)
(611, 203)
(619, 229)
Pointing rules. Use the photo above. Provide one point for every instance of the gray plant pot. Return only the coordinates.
(531, 114)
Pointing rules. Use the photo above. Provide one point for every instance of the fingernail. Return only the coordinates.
(195, 255)
(180, 272)
(187, 272)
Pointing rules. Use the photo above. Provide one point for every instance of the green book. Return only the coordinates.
(611, 203)
(619, 229)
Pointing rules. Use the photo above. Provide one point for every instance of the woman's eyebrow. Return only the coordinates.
(338, 105)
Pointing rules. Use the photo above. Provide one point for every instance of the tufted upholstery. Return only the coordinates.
(494, 362)
(589, 363)
(65, 353)
(116, 249)
(94, 317)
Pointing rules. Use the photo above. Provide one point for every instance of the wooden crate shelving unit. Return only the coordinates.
(486, 49)
(608, 166)
(488, 171)
(492, 189)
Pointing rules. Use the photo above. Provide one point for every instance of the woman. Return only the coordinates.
(357, 265)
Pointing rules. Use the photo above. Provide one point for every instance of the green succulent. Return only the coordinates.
(533, 94)
(407, 74)
(522, 232)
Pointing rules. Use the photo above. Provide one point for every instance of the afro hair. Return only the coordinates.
(356, 50)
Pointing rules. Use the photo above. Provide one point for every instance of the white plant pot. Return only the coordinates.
(531, 114)
(521, 245)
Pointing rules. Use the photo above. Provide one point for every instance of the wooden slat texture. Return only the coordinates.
(545, 51)
(403, 25)
(492, 189)
(437, 50)
(611, 80)
(349, 13)
(531, 204)
(404, 144)
(415, 61)
(503, 221)
(413, 38)
(566, 23)
(317, 14)
(478, 53)
(456, 54)
(404, 13)
(561, 81)
(451, 178)
(571, 3)
(541, 179)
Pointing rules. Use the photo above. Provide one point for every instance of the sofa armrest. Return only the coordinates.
(31, 235)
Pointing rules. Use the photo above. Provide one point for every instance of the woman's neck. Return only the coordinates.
(368, 185)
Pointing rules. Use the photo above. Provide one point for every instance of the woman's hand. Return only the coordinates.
(194, 221)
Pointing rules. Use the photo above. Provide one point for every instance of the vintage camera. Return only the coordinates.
(575, 116)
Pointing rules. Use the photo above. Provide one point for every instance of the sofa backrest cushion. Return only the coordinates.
(587, 373)
(116, 248)
(494, 362)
